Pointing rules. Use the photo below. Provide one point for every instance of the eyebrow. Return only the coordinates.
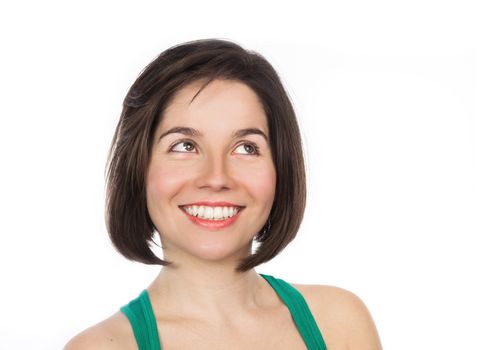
(196, 133)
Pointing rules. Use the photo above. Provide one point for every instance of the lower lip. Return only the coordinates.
(212, 225)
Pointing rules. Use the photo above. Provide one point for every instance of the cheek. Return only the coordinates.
(163, 182)
(263, 183)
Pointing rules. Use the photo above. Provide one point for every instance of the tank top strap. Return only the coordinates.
(140, 314)
(300, 312)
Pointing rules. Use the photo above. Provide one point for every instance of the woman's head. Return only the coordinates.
(210, 154)
(140, 201)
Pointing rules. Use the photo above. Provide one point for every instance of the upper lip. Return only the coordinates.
(213, 204)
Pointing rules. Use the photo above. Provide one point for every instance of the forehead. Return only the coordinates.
(222, 104)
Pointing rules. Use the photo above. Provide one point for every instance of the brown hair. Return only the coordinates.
(127, 219)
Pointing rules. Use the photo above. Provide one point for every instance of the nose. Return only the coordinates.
(215, 174)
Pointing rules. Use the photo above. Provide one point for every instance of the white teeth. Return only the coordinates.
(201, 211)
(211, 213)
(217, 213)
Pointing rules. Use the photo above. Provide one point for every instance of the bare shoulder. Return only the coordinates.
(343, 318)
(112, 333)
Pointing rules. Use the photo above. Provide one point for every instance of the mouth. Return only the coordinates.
(212, 217)
(211, 212)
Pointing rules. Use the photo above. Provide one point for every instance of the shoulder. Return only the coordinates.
(115, 332)
(343, 318)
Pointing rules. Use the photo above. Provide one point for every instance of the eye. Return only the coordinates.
(188, 146)
(250, 148)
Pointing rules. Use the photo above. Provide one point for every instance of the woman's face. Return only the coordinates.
(214, 160)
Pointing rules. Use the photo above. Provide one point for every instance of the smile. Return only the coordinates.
(211, 213)
(212, 218)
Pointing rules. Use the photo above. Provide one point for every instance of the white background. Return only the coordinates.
(393, 99)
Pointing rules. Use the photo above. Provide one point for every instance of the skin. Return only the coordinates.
(201, 302)
(214, 167)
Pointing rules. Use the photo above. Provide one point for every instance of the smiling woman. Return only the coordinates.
(218, 169)
(207, 154)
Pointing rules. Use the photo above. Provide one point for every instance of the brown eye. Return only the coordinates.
(188, 146)
(250, 148)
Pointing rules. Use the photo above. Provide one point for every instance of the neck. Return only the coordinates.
(211, 292)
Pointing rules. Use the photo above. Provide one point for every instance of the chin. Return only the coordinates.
(220, 252)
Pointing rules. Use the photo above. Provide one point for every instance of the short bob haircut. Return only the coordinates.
(127, 219)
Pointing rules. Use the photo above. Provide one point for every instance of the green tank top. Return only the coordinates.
(140, 314)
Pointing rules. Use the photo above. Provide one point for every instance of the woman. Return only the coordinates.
(207, 154)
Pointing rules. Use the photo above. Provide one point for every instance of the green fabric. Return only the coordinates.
(300, 312)
(140, 314)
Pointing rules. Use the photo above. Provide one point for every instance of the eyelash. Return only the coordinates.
(256, 148)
